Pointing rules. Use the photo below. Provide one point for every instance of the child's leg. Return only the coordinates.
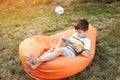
(49, 56)
(49, 51)
(31, 66)
(57, 52)
(33, 59)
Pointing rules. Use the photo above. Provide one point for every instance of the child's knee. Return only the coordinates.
(59, 50)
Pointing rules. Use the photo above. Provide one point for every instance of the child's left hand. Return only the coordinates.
(86, 53)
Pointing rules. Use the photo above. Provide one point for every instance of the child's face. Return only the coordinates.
(81, 33)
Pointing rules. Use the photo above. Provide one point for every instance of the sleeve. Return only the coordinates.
(87, 44)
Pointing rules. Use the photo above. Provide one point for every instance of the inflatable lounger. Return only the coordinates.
(61, 67)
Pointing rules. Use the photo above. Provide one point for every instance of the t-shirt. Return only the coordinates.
(83, 43)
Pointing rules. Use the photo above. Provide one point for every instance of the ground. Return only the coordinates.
(18, 24)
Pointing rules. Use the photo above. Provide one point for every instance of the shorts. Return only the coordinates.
(69, 51)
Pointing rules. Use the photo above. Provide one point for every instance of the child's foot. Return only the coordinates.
(33, 59)
(32, 66)
(29, 66)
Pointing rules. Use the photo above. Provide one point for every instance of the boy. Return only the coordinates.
(79, 44)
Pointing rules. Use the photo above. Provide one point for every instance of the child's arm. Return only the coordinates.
(78, 49)
(85, 53)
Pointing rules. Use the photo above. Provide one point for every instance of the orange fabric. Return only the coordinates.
(61, 67)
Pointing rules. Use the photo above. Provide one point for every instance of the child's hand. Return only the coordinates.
(72, 45)
(86, 53)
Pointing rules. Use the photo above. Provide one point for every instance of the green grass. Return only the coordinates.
(16, 25)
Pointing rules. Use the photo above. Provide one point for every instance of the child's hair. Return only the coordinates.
(82, 24)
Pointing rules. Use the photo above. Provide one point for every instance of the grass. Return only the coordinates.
(16, 25)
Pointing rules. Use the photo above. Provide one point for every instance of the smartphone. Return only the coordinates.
(67, 41)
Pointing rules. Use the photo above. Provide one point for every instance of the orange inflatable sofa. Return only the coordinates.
(61, 67)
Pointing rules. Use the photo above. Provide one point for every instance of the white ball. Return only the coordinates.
(59, 10)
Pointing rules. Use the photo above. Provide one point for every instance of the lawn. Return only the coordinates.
(18, 24)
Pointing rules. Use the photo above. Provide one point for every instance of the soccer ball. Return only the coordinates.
(59, 10)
